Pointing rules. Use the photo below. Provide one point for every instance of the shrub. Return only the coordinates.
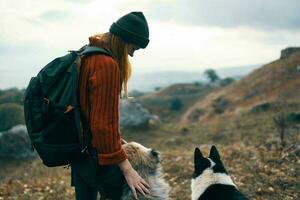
(226, 81)
(157, 89)
(220, 104)
(176, 104)
(196, 114)
(281, 120)
(11, 114)
(263, 107)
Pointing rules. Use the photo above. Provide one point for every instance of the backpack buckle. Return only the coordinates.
(68, 109)
(85, 150)
(47, 101)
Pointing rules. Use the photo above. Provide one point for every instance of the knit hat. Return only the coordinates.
(132, 28)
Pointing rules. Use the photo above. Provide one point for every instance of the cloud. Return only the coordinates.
(54, 15)
(184, 34)
(79, 1)
(259, 14)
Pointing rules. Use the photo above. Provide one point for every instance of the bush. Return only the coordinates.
(220, 104)
(176, 105)
(157, 89)
(11, 114)
(263, 107)
(226, 81)
(196, 114)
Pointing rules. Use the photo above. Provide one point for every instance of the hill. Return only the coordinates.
(278, 80)
(172, 101)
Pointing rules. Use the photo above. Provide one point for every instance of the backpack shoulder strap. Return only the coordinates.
(88, 50)
(84, 52)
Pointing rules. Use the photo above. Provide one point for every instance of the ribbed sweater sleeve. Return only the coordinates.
(102, 107)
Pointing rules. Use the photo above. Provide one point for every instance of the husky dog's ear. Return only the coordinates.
(214, 154)
(197, 155)
(198, 159)
(200, 163)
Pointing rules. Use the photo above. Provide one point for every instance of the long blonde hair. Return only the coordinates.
(119, 50)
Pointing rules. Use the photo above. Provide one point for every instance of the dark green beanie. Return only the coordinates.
(132, 28)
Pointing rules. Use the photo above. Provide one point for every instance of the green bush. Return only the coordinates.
(226, 81)
(11, 114)
(176, 104)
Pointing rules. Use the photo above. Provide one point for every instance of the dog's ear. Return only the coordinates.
(214, 154)
(198, 157)
(197, 154)
(200, 163)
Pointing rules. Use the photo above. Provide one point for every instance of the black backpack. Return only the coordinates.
(51, 110)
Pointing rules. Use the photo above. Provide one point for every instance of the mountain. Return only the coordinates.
(146, 82)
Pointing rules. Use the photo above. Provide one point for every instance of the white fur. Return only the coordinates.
(212, 163)
(206, 179)
(142, 148)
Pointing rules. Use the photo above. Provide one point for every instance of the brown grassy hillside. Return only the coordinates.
(280, 78)
(170, 102)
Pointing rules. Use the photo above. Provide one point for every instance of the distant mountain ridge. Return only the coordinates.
(146, 82)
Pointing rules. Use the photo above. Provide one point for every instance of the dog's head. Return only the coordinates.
(207, 172)
(140, 156)
(213, 162)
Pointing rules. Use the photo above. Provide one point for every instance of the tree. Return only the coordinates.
(211, 75)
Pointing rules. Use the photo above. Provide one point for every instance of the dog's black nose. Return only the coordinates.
(154, 153)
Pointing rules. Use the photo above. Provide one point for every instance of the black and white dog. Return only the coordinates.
(211, 180)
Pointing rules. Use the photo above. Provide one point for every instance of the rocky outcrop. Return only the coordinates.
(134, 115)
(288, 51)
(15, 143)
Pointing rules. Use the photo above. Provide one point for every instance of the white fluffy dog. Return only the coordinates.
(147, 163)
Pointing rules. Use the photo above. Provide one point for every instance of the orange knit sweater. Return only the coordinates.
(99, 90)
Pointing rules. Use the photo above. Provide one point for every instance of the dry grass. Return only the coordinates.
(248, 144)
(259, 173)
(31, 180)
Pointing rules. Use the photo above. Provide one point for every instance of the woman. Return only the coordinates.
(102, 79)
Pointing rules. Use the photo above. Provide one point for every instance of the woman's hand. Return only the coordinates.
(133, 179)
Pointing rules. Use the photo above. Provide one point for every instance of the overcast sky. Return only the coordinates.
(185, 35)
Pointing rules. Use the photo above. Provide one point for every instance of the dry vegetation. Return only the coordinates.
(248, 145)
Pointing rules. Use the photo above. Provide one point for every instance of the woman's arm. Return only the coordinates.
(104, 96)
